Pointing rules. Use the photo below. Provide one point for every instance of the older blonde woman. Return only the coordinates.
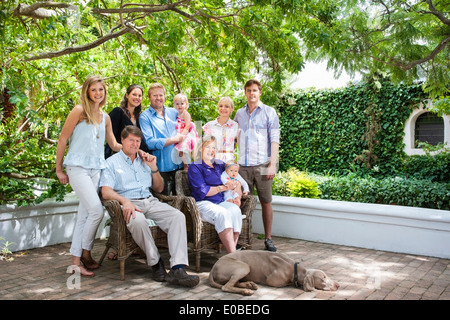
(224, 130)
(207, 189)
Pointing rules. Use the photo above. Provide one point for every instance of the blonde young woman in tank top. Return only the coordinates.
(86, 128)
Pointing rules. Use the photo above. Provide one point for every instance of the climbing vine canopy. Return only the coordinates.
(205, 48)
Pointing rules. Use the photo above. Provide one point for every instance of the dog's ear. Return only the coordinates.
(308, 282)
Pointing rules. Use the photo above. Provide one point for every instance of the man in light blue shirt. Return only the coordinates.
(258, 142)
(158, 124)
(128, 178)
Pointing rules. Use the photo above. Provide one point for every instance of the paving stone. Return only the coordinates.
(364, 274)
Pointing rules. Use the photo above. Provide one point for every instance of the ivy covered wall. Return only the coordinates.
(334, 131)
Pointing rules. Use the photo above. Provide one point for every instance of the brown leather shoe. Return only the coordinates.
(159, 271)
(181, 278)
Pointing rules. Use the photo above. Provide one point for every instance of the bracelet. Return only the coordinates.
(218, 188)
(156, 171)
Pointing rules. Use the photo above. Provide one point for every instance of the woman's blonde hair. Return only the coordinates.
(198, 151)
(87, 103)
(226, 100)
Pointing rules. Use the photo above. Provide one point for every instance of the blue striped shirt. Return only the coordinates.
(131, 180)
(156, 130)
(257, 131)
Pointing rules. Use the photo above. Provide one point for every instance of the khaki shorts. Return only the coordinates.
(256, 177)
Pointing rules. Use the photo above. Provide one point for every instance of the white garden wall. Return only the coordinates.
(41, 225)
(382, 227)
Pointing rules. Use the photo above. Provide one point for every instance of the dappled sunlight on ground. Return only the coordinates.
(363, 274)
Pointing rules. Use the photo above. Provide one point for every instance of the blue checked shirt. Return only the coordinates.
(156, 130)
(131, 180)
(256, 133)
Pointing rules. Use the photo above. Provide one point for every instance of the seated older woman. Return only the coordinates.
(207, 189)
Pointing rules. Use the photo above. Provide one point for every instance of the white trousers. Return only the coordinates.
(85, 183)
(223, 215)
(170, 220)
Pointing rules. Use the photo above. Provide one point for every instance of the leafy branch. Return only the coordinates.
(37, 10)
(86, 47)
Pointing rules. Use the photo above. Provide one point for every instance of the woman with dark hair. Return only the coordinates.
(127, 114)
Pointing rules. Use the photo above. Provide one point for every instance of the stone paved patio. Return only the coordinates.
(363, 274)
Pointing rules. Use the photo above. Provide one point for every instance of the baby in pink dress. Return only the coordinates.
(185, 127)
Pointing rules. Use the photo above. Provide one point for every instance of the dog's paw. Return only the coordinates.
(247, 292)
(247, 285)
(252, 285)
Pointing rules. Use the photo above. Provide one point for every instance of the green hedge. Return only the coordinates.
(390, 190)
(435, 168)
(350, 141)
(337, 130)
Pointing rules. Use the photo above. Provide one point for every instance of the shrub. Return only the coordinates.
(302, 186)
(350, 188)
(5, 253)
(404, 191)
(432, 167)
(392, 190)
(280, 182)
(295, 184)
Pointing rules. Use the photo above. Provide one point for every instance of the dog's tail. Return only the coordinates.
(212, 282)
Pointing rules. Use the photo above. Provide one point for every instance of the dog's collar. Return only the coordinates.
(296, 275)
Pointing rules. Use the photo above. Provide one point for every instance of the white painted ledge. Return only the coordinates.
(42, 225)
(382, 227)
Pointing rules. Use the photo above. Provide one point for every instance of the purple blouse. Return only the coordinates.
(202, 177)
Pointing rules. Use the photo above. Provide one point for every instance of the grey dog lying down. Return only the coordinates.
(240, 271)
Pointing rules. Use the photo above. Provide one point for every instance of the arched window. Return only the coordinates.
(425, 126)
(429, 128)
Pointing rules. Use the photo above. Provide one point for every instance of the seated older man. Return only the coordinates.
(128, 178)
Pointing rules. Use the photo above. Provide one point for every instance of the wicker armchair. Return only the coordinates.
(120, 238)
(204, 234)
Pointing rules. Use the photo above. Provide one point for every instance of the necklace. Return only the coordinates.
(97, 127)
